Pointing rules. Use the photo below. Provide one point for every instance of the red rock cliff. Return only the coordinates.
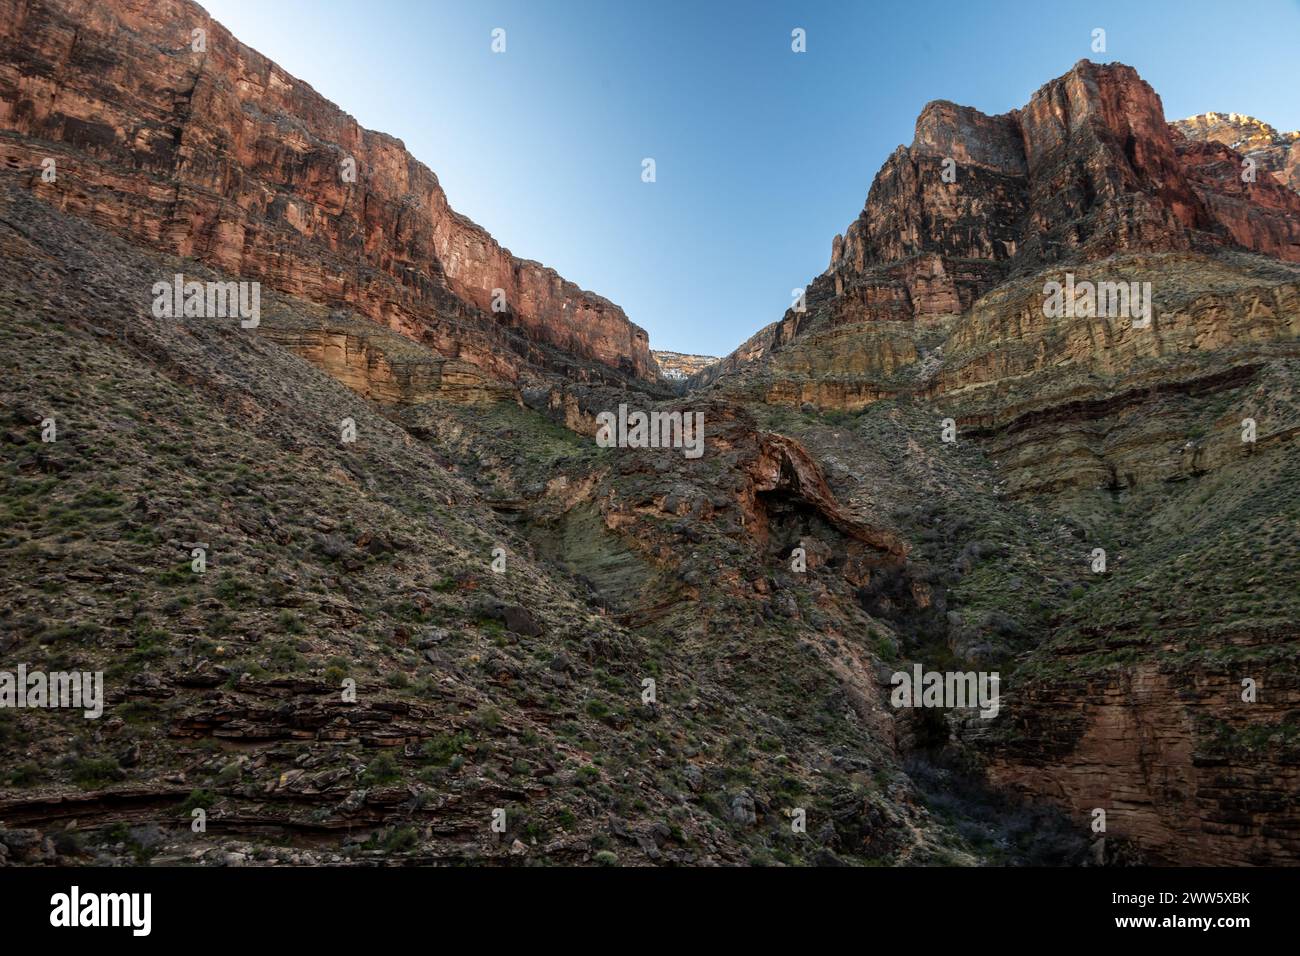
(222, 156)
(1087, 169)
(1272, 151)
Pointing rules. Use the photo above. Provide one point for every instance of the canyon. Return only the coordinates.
(939, 293)
(497, 586)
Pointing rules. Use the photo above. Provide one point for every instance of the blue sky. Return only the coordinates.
(762, 155)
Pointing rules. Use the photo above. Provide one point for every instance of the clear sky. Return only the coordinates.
(762, 155)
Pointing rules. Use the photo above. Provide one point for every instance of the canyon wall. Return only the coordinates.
(1087, 171)
(219, 155)
(1272, 151)
(1126, 692)
(1088, 168)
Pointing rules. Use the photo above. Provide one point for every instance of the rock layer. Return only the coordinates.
(1089, 167)
(219, 155)
(1074, 432)
(1151, 746)
(1274, 152)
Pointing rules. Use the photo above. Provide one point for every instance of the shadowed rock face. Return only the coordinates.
(221, 156)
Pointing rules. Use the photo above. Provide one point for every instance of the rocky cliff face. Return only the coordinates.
(379, 364)
(1088, 170)
(1274, 152)
(678, 366)
(216, 154)
(1163, 749)
(827, 536)
(1076, 431)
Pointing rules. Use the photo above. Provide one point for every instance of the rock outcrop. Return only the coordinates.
(678, 365)
(379, 364)
(1272, 151)
(1088, 171)
(1088, 168)
(1118, 430)
(197, 145)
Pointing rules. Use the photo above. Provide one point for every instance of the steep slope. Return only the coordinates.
(678, 654)
(1124, 431)
(217, 154)
(329, 561)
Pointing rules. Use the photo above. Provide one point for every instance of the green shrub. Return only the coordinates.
(381, 770)
(88, 772)
(23, 775)
(441, 749)
(401, 840)
(197, 800)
